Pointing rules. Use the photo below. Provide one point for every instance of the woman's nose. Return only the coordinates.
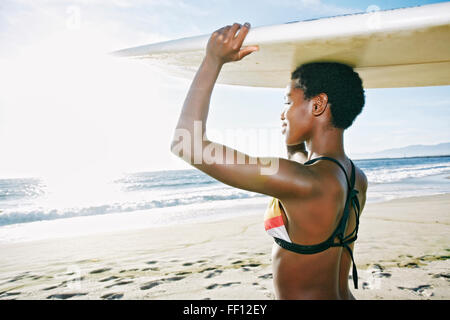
(282, 115)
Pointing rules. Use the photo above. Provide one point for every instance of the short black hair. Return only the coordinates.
(340, 82)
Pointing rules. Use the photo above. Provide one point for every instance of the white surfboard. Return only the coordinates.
(405, 47)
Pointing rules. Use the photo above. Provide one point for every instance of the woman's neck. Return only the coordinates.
(326, 142)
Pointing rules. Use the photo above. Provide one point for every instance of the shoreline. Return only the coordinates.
(217, 210)
(402, 253)
(396, 158)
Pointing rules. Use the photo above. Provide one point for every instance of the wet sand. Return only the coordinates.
(402, 252)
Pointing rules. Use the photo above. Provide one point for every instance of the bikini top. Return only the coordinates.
(274, 225)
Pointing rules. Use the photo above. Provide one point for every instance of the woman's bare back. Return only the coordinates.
(322, 275)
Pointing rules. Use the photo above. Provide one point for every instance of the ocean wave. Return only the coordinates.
(165, 184)
(12, 216)
(165, 179)
(389, 175)
(20, 188)
(28, 200)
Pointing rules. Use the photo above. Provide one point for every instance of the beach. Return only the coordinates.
(402, 253)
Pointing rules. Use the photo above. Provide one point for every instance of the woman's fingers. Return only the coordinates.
(246, 51)
(242, 34)
(232, 31)
(227, 45)
(221, 30)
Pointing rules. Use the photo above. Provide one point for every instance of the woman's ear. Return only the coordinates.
(320, 103)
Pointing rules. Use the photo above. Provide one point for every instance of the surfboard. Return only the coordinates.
(406, 47)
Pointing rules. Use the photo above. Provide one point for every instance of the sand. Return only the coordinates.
(402, 252)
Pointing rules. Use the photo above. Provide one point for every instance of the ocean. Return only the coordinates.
(40, 208)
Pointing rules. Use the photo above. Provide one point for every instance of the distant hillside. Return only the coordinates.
(418, 150)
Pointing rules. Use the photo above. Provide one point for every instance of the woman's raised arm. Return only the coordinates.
(272, 176)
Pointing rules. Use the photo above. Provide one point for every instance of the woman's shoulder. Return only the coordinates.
(361, 179)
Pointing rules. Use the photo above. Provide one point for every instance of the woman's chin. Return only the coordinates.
(290, 140)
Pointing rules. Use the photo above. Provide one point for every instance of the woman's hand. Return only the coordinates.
(297, 152)
(223, 46)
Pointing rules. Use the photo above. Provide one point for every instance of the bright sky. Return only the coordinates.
(65, 106)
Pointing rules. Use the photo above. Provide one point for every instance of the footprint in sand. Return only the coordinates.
(150, 285)
(429, 257)
(174, 278)
(7, 294)
(128, 270)
(151, 262)
(120, 283)
(408, 265)
(108, 279)
(50, 288)
(382, 275)
(366, 286)
(442, 275)
(212, 286)
(17, 278)
(377, 266)
(423, 290)
(182, 273)
(237, 262)
(266, 276)
(187, 264)
(213, 274)
(20, 276)
(152, 269)
(208, 269)
(69, 281)
(99, 270)
(377, 271)
(155, 283)
(216, 285)
(65, 295)
(112, 296)
(229, 284)
(251, 265)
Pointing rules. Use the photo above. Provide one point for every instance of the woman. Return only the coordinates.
(314, 213)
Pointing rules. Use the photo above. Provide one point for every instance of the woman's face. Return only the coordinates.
(296, 116)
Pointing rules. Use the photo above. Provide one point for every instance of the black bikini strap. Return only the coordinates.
(353, 176)
(355, 204)
(352, 200)
(303, 249)
(355, 270)
(339, 164)
(340, 230)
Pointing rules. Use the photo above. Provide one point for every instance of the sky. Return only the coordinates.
(67, 107)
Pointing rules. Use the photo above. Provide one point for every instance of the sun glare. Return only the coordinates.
(74, 108)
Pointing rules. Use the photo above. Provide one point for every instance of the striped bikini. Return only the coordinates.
(274, 225)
